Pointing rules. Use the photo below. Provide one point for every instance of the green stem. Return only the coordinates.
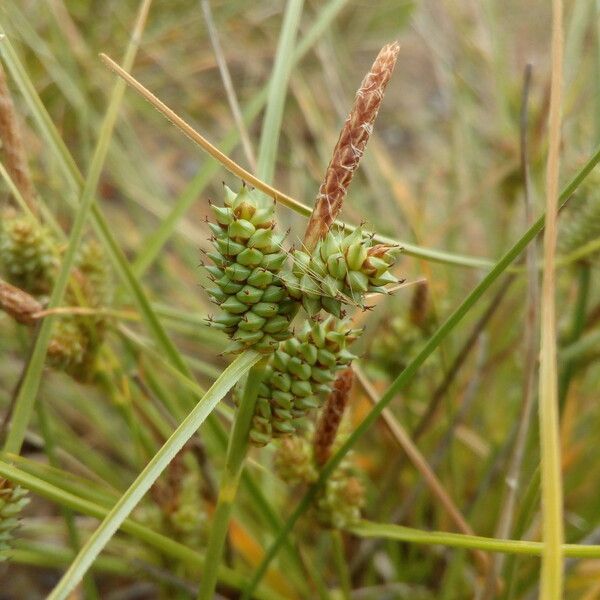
(90, 589)
(577, 325)
(234, 462)
(410, 371)
(341, 564)
(461, 540)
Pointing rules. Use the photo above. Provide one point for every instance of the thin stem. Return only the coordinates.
(530, 346)
(228, 83)
(551, 578)
(459, 540)
(234, 462)
(577, 326)
(341, 564)
(278, 196)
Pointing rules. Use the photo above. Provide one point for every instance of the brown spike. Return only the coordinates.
(331, 416)
(12, 145)
(351, 145)
(419, 305)
(18, 304)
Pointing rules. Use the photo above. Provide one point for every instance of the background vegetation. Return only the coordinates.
(443, 175)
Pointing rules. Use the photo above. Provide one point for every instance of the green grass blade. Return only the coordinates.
(410, 371)
(153, 245)
(269, 139)
(163, 544)
(150, 474)
(27, 393)
(461, 540)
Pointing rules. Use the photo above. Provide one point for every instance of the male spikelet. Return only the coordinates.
(351, 145)
(248, 259)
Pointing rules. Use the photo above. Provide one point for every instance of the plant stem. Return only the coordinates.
(460, 540)
(341, 564)
(551, 576)
(234, 462)
(90, 590)
(577, 325)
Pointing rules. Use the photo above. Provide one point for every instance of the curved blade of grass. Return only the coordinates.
(27, 393)
(157, 240)
(461, 540)
(162, 543)
(411, 369)
(150, 474)
(283, 199)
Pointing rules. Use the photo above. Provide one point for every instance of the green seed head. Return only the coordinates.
(247, 264)
(29, 255)
(300, 375)
(342, 269)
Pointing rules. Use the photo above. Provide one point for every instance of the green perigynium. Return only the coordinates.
(300, 375)
(340, 501)
(12, 501)
(293, 460)
(29, 256)
(342, 269)
(78, 338)
(245, 274)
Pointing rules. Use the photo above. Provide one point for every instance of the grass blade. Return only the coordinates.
(150, 474)
(461, 540)
(551, 578)
(27, 393)
(163, 544)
